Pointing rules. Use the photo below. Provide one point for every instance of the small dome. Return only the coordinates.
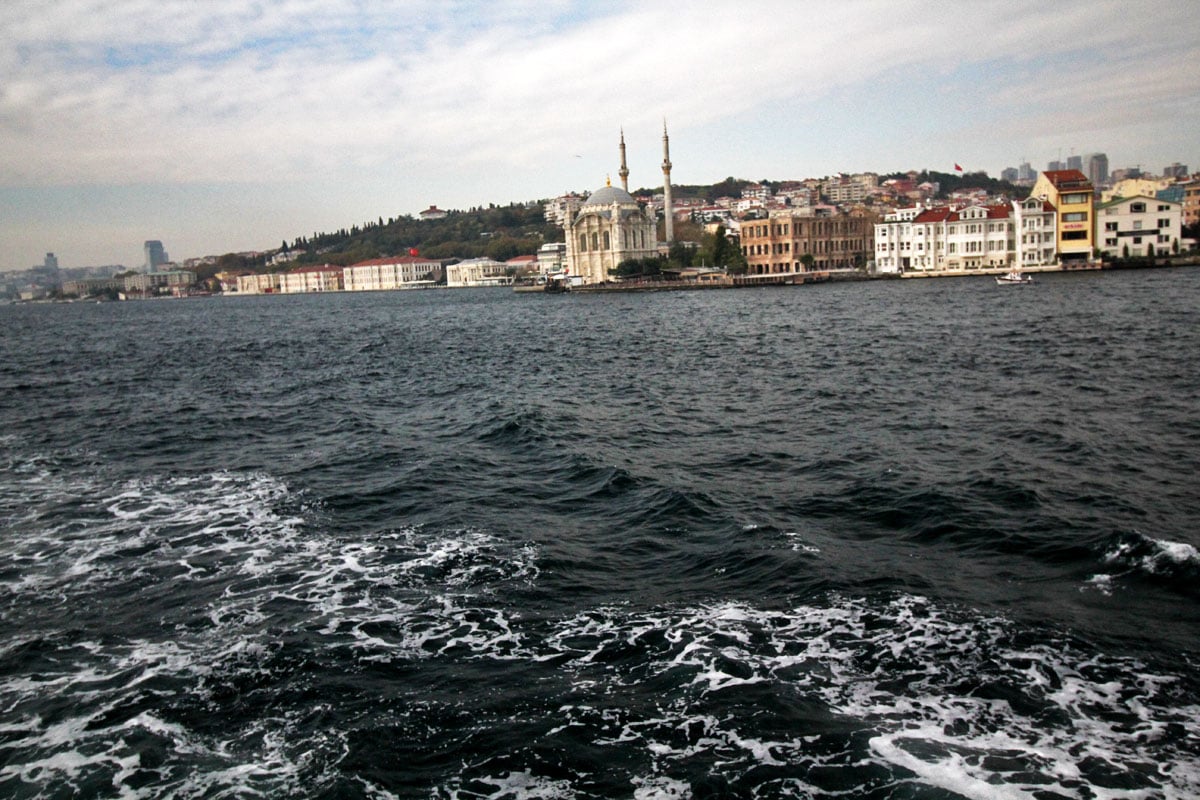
(609, 195)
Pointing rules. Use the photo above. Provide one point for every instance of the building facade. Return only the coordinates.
(788, 242)
(258, 284)
(159, 282)
(609, 228)
(396, 272)
(313, 279)
(976, 237)
(1191, 202)
(478, 272)
(1133, 227)
(1073, 198)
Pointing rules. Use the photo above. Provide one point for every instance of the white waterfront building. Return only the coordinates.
(312, 279)
(1128, 227)
(976, 237)
(478, 272)
(396, 272)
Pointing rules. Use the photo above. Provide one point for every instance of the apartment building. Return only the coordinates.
(780, 243)
(1129, 227)
(961, 240)
(1073, 198)
(1191, 202)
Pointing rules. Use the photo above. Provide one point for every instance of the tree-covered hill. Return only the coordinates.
(499, 232)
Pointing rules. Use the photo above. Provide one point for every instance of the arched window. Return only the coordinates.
(595, 242)
(583, 242)
(607, 241)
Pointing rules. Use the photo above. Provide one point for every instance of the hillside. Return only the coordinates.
(502, 232)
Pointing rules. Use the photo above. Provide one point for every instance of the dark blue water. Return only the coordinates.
(915, 539)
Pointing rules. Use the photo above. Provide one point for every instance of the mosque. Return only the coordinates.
(610, 226)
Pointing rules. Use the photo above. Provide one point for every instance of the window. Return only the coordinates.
(595, 242)
(1075, 216)
(1137, 224)
(1110, 226)
(607, 241)
(1164, 223)
(1075, 198)
(583, 242)
(1074, 236)
(1163, 239)
(1110, 242)
(1137, 240)
(1137, 208)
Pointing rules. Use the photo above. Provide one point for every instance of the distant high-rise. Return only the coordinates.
(1055, 166)
(1075, 162)
(1176, 170)
(1097, 168)
(51, 262)
(1025, 172)
(155, 255)
(1009, 174)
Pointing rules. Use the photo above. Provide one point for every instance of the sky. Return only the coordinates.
(221, 126)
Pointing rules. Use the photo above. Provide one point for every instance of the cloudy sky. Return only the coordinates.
(227, 125)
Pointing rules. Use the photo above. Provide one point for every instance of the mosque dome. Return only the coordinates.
(609, 195)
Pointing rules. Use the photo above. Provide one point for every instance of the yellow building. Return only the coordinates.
(1074, 200)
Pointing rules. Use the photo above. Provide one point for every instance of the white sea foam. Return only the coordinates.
(944, 698)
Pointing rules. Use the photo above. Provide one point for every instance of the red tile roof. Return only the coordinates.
(934, 215)
(1066, 176)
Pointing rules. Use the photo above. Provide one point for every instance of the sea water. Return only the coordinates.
(918, 539)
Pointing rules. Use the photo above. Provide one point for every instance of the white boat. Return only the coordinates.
(1016, 276)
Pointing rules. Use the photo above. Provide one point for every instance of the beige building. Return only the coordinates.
(1133, 187)
(609, 228)
(779, 244)
(1191, 202)
(1073, 198)
(258, 284)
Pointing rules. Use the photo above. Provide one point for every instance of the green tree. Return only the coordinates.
(639, 267)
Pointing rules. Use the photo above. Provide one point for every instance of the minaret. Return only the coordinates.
(624, 171)
(670, 216)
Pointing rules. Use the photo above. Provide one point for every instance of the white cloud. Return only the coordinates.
(226, 91)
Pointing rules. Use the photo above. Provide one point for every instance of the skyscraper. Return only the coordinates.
(155, 255)
(1097, 168)
(1075, 162)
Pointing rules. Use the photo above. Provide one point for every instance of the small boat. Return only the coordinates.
(1015, 276)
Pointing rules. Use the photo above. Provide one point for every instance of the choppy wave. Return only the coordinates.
(1134, 558)
(847, 541)
(206, 635)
